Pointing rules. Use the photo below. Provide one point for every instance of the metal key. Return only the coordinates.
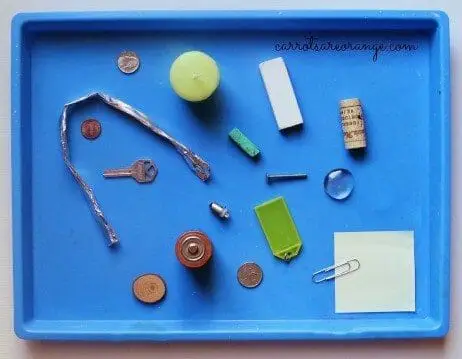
(143, 171)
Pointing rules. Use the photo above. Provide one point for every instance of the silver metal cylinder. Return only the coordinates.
(219, 210)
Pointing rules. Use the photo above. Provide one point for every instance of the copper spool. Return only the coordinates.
(193, 249)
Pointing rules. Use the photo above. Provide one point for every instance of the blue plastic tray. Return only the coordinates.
(69, 285)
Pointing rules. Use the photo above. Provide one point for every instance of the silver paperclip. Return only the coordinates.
(349, 268)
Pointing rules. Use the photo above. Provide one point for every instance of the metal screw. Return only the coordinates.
(219, 210)
(282, 177)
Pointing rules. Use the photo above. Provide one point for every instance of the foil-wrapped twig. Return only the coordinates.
(195, 162)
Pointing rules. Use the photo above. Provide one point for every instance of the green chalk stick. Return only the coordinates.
(279, 228)
(244, 143)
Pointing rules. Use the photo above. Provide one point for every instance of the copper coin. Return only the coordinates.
(249, 275)
(90, 129)
(128, 62)
(149, 288)
(193, 249)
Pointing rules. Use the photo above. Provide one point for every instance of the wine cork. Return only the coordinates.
(354, 135)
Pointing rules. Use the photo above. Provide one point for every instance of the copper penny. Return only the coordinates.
(193, 249)
(149, 288)
(128, 62)
(249, 275)
(90, 129)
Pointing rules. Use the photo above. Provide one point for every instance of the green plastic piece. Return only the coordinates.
(279, 228)
(244, 143)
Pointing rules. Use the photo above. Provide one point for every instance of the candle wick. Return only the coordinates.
(195, 76)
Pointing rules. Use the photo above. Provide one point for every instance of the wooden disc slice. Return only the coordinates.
(149, 288)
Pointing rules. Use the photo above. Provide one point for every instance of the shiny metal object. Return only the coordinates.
(193, 249)
(249, 275)
(143, 171)
(128, 62)
(270, 178)
(339, 270)
(219, 210)
(90, 129)
(196, 163)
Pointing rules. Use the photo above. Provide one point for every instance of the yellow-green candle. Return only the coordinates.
(194, 76)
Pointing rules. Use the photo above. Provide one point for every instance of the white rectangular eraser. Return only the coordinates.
(280, 93)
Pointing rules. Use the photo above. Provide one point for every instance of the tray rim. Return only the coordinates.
(23, 23)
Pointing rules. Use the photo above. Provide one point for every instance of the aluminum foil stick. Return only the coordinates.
(195, 162)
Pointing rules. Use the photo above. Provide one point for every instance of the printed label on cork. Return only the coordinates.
(353, 127)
